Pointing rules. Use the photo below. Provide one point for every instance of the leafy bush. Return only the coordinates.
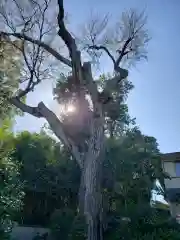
(61, 222)
(79, 229)
(11, 195)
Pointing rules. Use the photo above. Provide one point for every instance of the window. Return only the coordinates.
(177, 167)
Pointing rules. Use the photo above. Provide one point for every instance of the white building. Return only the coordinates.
(171, 165)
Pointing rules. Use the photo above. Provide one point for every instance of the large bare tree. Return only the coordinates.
(41, 38)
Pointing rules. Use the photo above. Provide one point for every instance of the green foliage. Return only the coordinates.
(117, 116)
(79, 228)
(10, 65)
(51, 176)
(131, 166)
(11, 188)
(11, 191)
(46, 166)
(128, 231)
(61, 222)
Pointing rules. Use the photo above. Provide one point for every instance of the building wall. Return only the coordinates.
(169, 167)
(172, 183)
(168, 163)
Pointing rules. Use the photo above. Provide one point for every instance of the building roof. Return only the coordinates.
(171, 157)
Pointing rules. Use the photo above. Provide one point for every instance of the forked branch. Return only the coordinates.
(95, 47)
(129, 40)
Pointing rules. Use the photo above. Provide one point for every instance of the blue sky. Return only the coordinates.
(156, 97)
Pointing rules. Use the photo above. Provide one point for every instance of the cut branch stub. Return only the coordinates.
(91, 85)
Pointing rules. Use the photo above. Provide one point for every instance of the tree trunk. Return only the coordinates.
(93, 231)
(90, 197)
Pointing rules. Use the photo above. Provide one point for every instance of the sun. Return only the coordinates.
(67, 109)
(70, 108)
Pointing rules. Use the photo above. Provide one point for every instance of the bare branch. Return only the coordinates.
(7, 20)
(32, 69)
(49, 49)
(71, 45)
(132, 37)
(122, 53)
(25, 108)
(93, 36)
(93, 33)
(57, 128)
(64, 33)
(30, 86)
(104, 49)
(20, 10)
(32, 23)
(126, 43)
(36, 58)
(42, 111)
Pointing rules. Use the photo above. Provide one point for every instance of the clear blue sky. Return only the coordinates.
(156, 97)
